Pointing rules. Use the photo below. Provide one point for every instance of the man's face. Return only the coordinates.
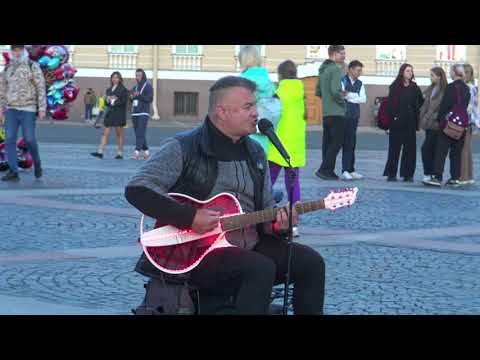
(340, 57)
(238, 112)
(355, 72)
(17, 52)
(138, 76)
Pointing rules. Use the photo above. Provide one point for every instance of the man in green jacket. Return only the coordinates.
(329, 88)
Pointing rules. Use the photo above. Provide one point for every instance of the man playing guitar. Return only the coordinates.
(219, 157)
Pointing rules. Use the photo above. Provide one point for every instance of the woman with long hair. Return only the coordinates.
(456, 94)
(466, 172)
(115, 116)
(404, 102)
(428, 118)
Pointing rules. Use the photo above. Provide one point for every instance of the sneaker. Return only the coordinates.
(146, 155)
(136, 155)
(408, 179)
(295, 232)
(356, 176)
(38, 172)
(453, 183)
(427, 178)
(433, 181)
(11, 176)
(119, 157)
(97, 154)
(346, 176)
(324, 176)
(466, 182)
(392, 178)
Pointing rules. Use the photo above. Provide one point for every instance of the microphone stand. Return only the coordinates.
(290, 237)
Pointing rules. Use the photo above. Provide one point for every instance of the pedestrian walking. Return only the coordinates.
(404, 102)
(355, 95)
(142, 97)
(428, 119)
(22, 98)
(116, 115)
(329, 88)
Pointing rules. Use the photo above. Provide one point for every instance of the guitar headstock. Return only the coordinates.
(340, 198)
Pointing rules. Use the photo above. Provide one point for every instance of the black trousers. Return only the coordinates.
(398, 139)
(428, 151)
(250, 275)
(333, 137)
(349, 144)
(444, 145)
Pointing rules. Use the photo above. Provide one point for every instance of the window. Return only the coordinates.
(317, 51)
(391, 52)
(261, 49)
(451, 52)
(4, 47)
(123, 49)
(187, 49)
(186, 103)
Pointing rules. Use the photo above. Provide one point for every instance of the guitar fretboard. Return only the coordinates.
(258, 217)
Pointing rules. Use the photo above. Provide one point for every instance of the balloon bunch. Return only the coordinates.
(24, 158)
(53, 59)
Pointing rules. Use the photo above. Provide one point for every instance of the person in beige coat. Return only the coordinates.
(428, 118)
(466, 172)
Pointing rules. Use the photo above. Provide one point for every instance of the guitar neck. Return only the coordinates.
(237, 222)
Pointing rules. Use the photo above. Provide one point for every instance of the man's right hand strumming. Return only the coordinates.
(205, 220)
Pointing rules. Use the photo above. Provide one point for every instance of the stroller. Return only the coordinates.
(24, 157)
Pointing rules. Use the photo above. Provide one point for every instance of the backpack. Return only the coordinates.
(383, 119)
(456, 121)
(166, 298)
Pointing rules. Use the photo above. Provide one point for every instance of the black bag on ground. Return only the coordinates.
(166, 298)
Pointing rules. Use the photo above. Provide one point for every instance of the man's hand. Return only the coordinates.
(281, 224)
(205, 220)
(41, 115)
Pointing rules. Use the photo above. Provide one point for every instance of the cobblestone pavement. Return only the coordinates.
(68, 242)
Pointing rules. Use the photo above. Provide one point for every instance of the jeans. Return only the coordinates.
(26, 120)
(275, 171)
(140, 127)
(333, 136)
(88, 111)
(349, 144)
(250, 275)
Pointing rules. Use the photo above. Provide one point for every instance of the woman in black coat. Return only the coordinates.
(457, 92)
(404, 101)
(116, 114)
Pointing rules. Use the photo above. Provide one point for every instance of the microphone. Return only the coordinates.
(266, 128)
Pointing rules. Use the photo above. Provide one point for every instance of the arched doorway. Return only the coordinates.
(314, 103)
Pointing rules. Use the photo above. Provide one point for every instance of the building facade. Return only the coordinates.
(185, 72)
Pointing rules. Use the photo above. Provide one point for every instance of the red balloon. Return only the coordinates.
(59, 74)
(71, 93)
(36, 51)
(6, 56)
(60, 113)
(21, 144)
(2, 146)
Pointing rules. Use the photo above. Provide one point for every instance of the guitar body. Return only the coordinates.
(182, 257)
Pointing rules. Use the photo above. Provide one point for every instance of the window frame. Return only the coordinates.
(378, 58)
(111, 50)
(464, 53)
(199, 52)
(185, 95)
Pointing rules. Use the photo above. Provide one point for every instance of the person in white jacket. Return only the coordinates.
(354, 96)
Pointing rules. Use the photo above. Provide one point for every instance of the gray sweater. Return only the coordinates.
(162, 171)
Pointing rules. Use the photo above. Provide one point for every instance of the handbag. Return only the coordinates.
(456, 121)
(95, 111)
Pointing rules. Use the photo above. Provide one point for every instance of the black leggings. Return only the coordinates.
(250, 275)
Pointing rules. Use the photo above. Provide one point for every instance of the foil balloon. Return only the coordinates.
(68, 71)
(6, 57)
(43, 61)
(59, 74)
(49, 76)
(59, 113)
(36, 51)
(71, 93)
(53, 63)
(59, 51)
